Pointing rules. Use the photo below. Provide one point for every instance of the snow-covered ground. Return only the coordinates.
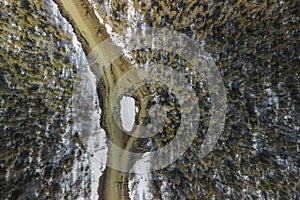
(128, 111)
(140, 184)
(86, 112)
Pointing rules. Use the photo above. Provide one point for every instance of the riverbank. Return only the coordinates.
(87, 26)
(84, 22)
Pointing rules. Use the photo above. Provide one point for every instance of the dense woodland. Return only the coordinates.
(256, 47)
(36, 86)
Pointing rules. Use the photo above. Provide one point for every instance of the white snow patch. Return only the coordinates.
(140, 184)
(128, 110)
(87, 112)
(163, 190)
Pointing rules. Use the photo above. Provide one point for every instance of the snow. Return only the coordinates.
(133, 17)
(88, 113)
(163, 190)
(140, 184)
(88, 117)
(127, 112)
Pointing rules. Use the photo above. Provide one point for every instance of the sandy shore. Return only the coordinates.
(113, 184)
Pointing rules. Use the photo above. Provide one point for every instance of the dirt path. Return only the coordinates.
(113, 185)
